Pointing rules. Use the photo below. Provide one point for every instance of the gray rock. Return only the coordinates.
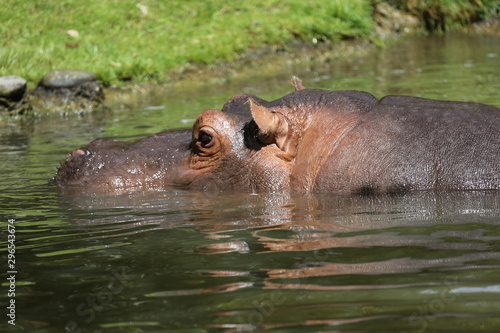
(12, 87)
(13, 96)
(69, 89)
(66, 79)
(59, 90)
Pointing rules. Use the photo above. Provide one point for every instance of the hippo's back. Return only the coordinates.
(408, 143)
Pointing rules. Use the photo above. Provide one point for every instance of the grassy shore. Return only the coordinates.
(146, 40)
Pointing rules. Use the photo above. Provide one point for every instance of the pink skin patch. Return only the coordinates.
(76, 152)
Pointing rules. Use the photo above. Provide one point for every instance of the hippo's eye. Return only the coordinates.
(205, 139)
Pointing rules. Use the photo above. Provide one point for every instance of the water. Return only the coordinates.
(185, 261)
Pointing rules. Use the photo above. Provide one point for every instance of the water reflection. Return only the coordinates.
(261, 258)
(311, 222)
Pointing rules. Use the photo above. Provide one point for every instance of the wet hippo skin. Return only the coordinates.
(310, 140)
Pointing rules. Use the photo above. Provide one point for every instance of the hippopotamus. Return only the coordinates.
(311, 140)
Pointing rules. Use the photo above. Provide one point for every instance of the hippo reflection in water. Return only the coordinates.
(307, 141)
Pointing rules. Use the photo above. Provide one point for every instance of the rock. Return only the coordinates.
(12, 87)
(66, 79)
(13, 97)
(68, 90)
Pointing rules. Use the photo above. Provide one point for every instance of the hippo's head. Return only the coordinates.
(224, 151)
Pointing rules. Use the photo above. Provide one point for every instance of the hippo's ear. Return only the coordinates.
(273, 128)
(297, 83)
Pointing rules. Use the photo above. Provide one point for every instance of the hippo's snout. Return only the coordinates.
(105, 163)
(72, 168)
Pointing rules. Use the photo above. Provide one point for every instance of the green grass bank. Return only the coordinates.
(146, 40)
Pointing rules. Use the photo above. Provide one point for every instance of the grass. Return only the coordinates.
(119, 42)
(145, 40)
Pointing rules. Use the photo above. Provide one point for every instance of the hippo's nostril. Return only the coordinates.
(78, 151)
